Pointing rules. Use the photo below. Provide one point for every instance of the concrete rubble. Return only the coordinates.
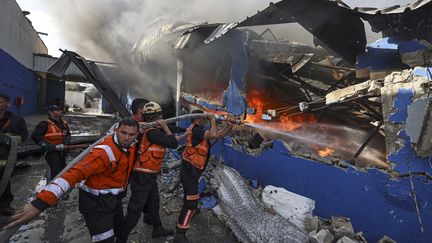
(386, 239)
(337, 229)
(370, 87)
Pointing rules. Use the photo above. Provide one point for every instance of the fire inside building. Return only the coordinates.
(343, 122)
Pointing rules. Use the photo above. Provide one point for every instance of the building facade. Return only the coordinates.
(19, 41)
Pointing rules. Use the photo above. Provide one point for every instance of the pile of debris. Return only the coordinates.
(336, 230)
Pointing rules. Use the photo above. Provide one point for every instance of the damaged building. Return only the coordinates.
(342, 122)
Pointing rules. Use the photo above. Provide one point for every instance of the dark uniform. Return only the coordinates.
(143, 181)
(11, 125)
(194, 161)
(48, 134)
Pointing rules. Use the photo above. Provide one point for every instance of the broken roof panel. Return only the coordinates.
(337, 27)
(220, 31)
(393, 9)
(91, 71)
(412, 21)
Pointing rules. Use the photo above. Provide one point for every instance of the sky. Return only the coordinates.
(49, 17)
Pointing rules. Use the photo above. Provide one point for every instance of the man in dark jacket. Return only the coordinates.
(137, 107)
(52, 135)
(10, 125)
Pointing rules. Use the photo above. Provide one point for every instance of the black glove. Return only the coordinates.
(5, 139)
(47, 147)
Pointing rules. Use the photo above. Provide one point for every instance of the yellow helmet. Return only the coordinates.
(152, 108)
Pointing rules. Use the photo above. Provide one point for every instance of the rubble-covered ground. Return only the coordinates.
(64, 223)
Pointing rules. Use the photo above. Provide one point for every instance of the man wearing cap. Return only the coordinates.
(52, 135)
(10, 125)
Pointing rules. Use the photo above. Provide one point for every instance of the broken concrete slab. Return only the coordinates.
(311, 224)
(359, 236)
(322, 236)
(342, 226)
(345, 239)
(386, 239)
(369, 87)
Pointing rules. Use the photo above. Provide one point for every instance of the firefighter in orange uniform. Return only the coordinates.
(103, 174)
(52, 135)
(194, 161)
(144, 186)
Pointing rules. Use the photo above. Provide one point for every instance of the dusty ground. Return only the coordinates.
(64, 223)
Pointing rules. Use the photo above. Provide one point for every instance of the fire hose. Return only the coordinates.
(7, 233)
(10, 164)
(62, 147)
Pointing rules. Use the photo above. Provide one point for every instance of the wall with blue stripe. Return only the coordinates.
(377, 204)
(18, 81)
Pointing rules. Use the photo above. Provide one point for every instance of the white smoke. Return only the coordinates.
(106, 30)
(99, 28)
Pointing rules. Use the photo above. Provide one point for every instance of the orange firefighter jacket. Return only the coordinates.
(104, 170)
(196, 155)
(54, 134)
(150, 156)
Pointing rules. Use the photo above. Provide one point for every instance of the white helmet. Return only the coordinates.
(152, 108)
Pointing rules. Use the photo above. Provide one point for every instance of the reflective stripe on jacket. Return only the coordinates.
(150, 156)
(105, 169)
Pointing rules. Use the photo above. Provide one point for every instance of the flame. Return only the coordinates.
(325, 152)
(262, 101)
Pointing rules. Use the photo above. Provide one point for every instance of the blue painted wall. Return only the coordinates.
(16, 80)
(376, 204)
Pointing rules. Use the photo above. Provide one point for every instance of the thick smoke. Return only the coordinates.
(106, 30)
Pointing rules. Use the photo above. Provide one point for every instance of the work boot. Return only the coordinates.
(180, 237)
(7, 210)
(161, 231)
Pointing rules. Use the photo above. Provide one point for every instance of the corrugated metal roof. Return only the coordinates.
(220, 31)
(337, 27)
(41, 63)
(393, 9)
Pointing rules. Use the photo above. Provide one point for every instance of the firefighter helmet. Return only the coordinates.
(152, 108)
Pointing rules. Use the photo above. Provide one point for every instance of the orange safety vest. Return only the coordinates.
(113, 180)
(54, 134)
(196, 155)
(150, 156)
